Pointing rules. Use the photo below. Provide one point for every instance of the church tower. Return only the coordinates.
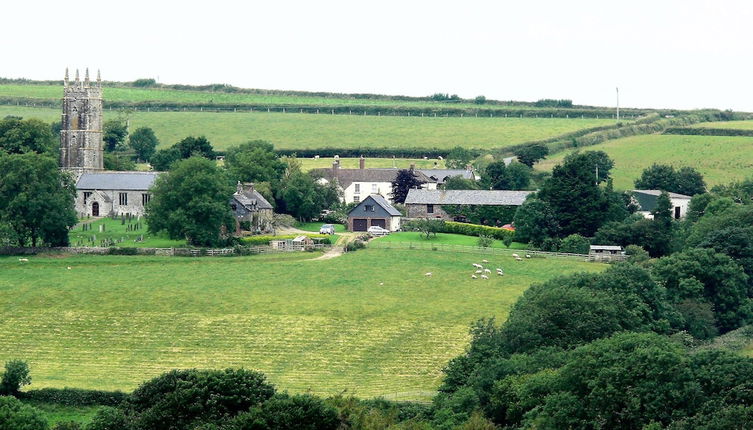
(81, 148)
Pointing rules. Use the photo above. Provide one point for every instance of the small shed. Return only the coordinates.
(374, 210)
(605, 250)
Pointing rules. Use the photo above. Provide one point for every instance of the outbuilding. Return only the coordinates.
(374, 210)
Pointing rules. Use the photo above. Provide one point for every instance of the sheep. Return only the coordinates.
(499, 269)
(518, 259)
(69, 267)
(474, 276)
(528, 255)
(381, 283)
(516, 256)
(484, 261)
(427, 274)
(484, 277)
(479, 271)
(500, 274)
(23, 259)
(478, 266)
(440, 157)
(487, 271)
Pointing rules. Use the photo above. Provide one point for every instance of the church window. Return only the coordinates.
(145, 197)
(87, 194)
(123, 199)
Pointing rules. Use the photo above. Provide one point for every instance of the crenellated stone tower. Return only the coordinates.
(81, 148)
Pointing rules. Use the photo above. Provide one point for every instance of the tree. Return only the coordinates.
(575, 244)
(479, 100)
(404, 181)
(36, 200)
(108, 418)
(254, 161)
(534, 222)
(14, 415)
(518, 176)
(163, 159)
(144, 142)
(181, 399)
(689, 181)
(120, 162)
(531, 153)
(459, 158)
(301, 195)
(194, 147)
(19, 136)
(663, 177)
(191, 202)
(114, 133)
(285, 412)
(429, 226)
(460, 183)
(16, 375)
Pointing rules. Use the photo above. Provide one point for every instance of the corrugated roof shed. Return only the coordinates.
(467, 197)
(138, 181)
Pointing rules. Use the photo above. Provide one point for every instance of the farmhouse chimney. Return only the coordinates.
(249, 187)
(239, 188)
(412, 166)
(335, 166)
(362, 163)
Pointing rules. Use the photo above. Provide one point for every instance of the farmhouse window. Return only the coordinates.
(358, 188)
(145, 197)
(356, 199)
(374, 188)
(123, 199)
(429, 209)
(87, 194)
(368, 208)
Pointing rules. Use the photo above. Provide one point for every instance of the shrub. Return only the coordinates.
(476, 230)
(575, 244)
(355, 245)
(485, 241)
(16, 376)
(75, 396)
(15, 415)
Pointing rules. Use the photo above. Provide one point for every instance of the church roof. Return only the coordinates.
(117, 181)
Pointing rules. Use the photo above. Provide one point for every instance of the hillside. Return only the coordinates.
(720, 159)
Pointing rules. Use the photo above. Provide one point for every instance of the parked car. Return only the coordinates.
(327, 229)
(375, 230)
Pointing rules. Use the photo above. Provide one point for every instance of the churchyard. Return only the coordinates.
(370, 321)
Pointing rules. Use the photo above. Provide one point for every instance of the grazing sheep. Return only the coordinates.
(479, 271)
(500, 274)
(23, 259)
(478, 266)
(484, 261)
(518, 259)
(499, 269)
(528, 255)
(484, 277)
(69, 267)
(473, 276)
(427, 274)
(516, 255)
(381, 283)
(487, 271)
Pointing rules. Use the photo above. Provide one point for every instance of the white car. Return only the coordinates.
(327, 229)
(375, 230)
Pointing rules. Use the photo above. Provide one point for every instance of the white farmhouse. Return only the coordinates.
(646, 201)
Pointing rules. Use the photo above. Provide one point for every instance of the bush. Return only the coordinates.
(355, 245)
(485, 241)
(16, 376)
(476, 230)
(15, 415)
(75, 396)
(575, 244)
(117, 250)
(636, 254)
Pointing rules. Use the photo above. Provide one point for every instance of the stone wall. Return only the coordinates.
(420, 211)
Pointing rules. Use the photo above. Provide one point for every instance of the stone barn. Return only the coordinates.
(250, 206)
(374, 210)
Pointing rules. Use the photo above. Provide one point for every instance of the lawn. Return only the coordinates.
(720, 159)
(443, 239)
(310, 131)
(118, 232)
(734, 125)
(352, 163)
(314, 226)
(369, 321)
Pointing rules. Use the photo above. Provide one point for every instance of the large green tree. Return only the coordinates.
(191, 202)
(36, 200)
(686, 180)
(535, 221)
(144, 142)
(15, 415)
(459, 158)
(114, 133)
(405, 181)
(254, 161)
(531, 153)
(19, 136)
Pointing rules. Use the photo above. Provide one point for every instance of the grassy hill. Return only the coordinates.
(733, 125)
(309, 131)
(720, 159)
(111, 322)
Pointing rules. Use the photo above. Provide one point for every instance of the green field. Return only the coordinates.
(138, 95)
(352, 163)
(110, 322)
(55, 413)
(443, 239)
(720, 159)
(310, 131)
(734, 125)
(117, 231)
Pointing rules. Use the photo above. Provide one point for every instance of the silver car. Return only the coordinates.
(327, 229)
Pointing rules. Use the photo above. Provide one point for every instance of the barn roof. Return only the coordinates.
(647, 199)
(138, 181)
(345, 177)
(440, 175)
(467, 197)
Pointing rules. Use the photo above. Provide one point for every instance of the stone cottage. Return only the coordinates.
(250, 206)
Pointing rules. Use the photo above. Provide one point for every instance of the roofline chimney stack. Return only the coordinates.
(362, 163)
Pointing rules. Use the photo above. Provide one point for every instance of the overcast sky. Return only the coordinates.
(660, 53)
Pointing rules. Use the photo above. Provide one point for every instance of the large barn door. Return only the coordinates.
(380, 222)
(359, 224)
(95, 209)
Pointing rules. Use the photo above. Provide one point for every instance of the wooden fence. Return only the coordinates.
(522, 253)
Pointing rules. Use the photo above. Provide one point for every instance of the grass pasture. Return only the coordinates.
(55, 413)
(311, 131)
(733, 125)
(110, 322)
(443, 239)
(720, 159)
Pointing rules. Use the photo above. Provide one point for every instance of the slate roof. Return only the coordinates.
(440, 175)
(658, 192)
(467, 197)
(605, 248)
(379, 200)
(252, 200)
(345, 177)
(138, 181)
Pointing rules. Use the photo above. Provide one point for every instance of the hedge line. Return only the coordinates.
(476, 230)
(264, 239)
(75, 396)
(371, 152)
(702, 131)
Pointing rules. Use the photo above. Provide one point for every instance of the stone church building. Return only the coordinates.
(98, 192)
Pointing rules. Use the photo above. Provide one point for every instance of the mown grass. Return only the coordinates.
(720, 159)
(352, 163)
(314, 226)
(734, 125)
(444, 239)
(137, 95)
(369, 321)
(55, 413)
(117, 231)
(311, 131)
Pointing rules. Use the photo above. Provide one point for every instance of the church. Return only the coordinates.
(98, 192)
